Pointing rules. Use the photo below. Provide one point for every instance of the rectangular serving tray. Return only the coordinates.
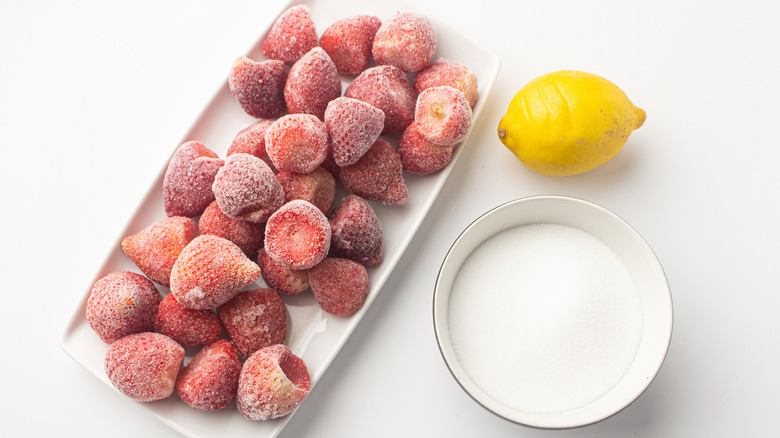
(312, 334)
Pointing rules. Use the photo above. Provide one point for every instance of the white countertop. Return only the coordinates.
(95, 96)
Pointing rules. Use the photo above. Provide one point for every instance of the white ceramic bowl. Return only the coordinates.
(631, 249)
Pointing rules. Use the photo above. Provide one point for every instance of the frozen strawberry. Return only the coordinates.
(155, 248)
(353, 127)
(258, 86)
(247, 235)
(356, 233)
(273, 382)
(247, 189)
(285, 280)
(419, 156)
(297, 235)
(144, 366)
(312, 83)
(255, 319)
(317, 187)
(387, 88)
(188, 178)
(396, 193)
(210, 271)
(251, 140)
(407, 41)
(291, 36)
(188, 327)
(297, 143)
(377, 176)
(210, 381)
(454, 74)
(348, 42)
(340, 285)
(120, 304)
(330, 165)
(443, 115)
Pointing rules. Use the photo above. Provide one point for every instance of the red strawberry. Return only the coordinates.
(353, 127)
(387, 88)
(210, 271)
(297, 143)
(247, 235)
(292, 35)
(297, 235)
(443, 115)
(251, 140)
(144, 366)
(255, 319)
(259, 86)
(313, 81)
(273, 382)
(247, 189)
(377, 176)
(419, 156)
(356, 232)
(188, 327)
(348, 42)
(407, 41)
(340, 285)
(120, 304)
(188, 178)
(155, 248)
(285, 280)
(444, 72)
(317, 187)
(210, 381)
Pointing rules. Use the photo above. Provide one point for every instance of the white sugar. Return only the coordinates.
(545, 318)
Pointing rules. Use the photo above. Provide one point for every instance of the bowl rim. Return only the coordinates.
(437, 319)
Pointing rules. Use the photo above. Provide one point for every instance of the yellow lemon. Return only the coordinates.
(568, 122)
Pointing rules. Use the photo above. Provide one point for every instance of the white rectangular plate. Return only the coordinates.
(313, 335)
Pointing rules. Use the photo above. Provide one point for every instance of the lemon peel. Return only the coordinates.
(568, 122)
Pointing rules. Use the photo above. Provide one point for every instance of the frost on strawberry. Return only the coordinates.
(258, 86)
(284, 280)
(188, 179)
(419, 156)
(317, 187)
(377, 176)
(340, 285)
(313, 81)
(387, 88)
(247, 189)
(155, 248)
(273, 382)
(297, 143)
(291, 36)
(188, 327)
(255, 319)
(348, 42)
(356, 232)
(245, 234)
(407, 41)
(210, 381)
(210, 271)
(144, 366)
(353, 126)
(297, 235)
(120, 304)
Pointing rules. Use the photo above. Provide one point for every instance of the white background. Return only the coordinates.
(95, 95)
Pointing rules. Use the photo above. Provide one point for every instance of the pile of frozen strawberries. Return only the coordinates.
(267, 210)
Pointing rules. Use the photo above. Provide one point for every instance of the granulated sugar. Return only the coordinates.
(545, 318)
